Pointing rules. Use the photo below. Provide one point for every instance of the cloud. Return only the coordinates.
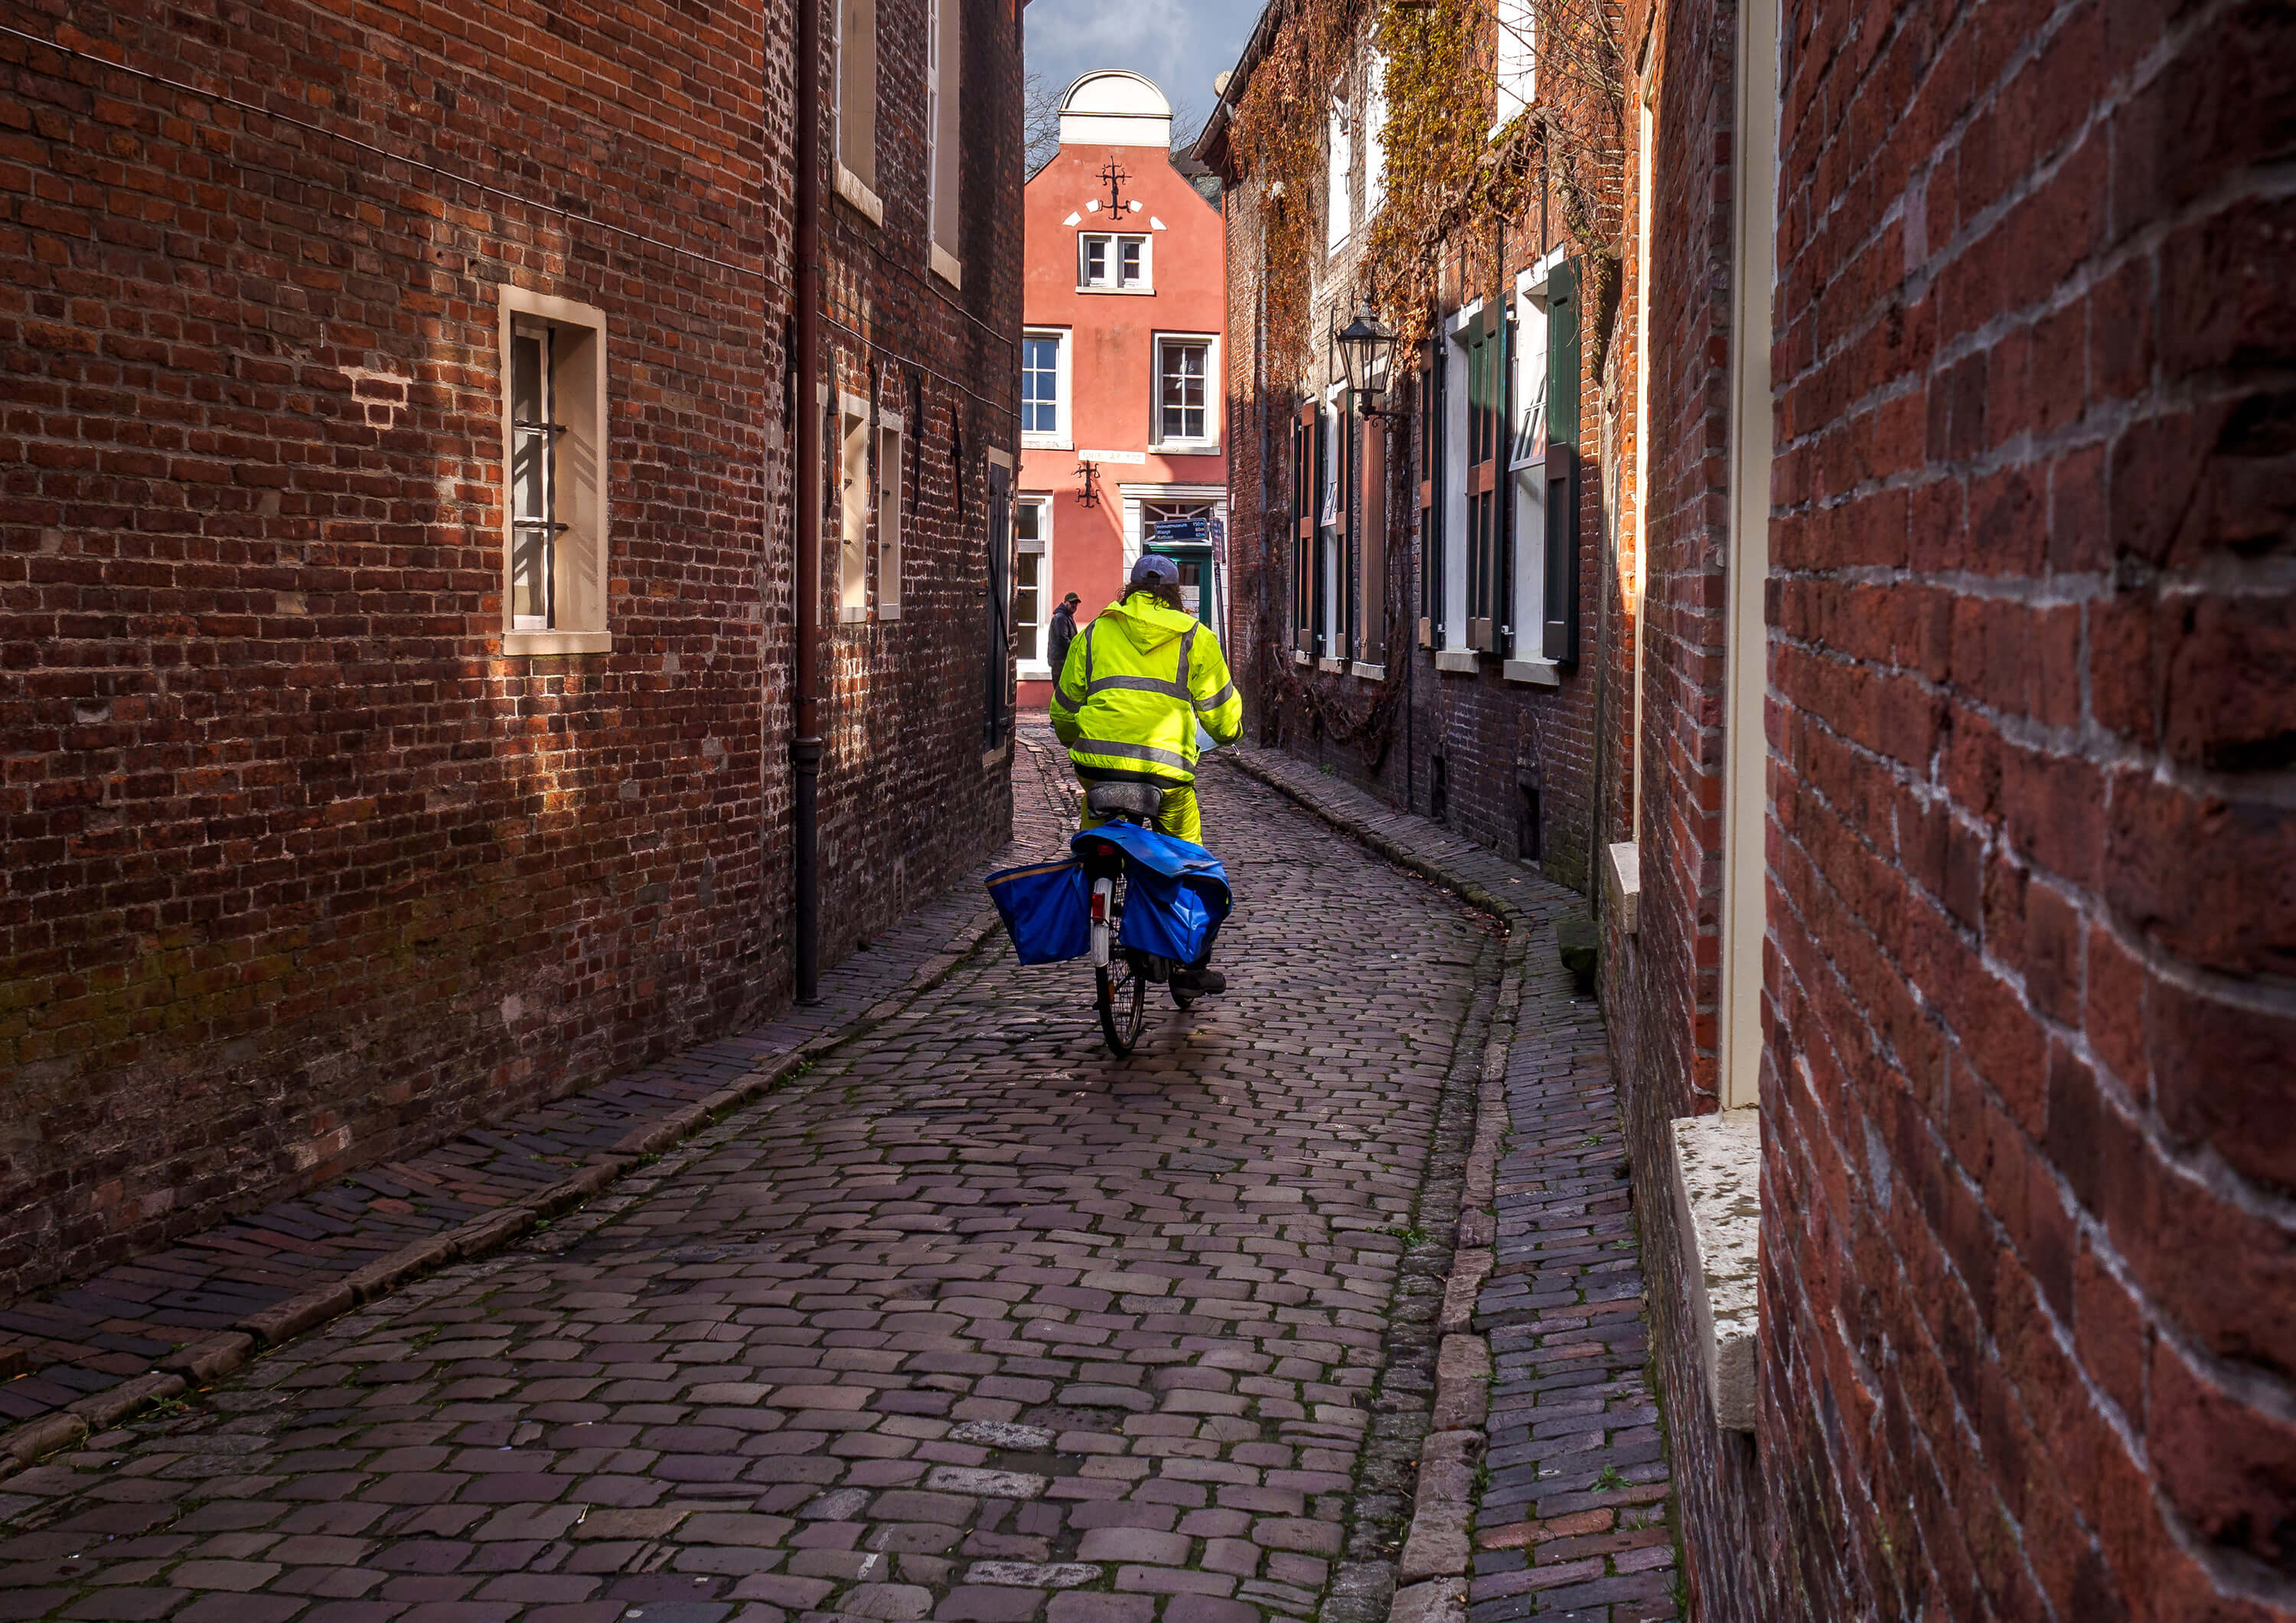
(1180, 44)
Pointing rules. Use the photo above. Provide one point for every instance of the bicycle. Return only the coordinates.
(1121, 975)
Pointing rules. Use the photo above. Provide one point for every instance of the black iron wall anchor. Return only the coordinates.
(1087, 484)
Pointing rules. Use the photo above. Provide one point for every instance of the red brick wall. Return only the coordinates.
(2029, 1287)
(301, 870)
(1490, 735)
(2033, 1334)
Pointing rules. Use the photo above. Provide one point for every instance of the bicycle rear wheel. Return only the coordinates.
(1123, 1002)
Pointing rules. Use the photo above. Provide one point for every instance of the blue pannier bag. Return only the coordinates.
(1047, 910)
(1176, 893)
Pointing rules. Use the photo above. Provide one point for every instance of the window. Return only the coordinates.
(1485, 341)
(1044, 389)
(1338, 169)
(889, 516)
(1449, 605)
(853, 507)
(1331, 604)
(1121, 263)
(1185, 414)
(1307, 467)
(943, 57)
(1527, 468)
(1517, 59)
(855, 89)
(1032, 521)
(554, 459)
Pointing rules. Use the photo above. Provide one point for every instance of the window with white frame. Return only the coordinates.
(1108, 262)
(1032, 523)
(855, 86)
(1517, 59)
(943, 61)
(1451, 623)
(1339, 172)
(889, 515)
(553, 360)
(1527, 460)
(853, 507)
(1045, 388)
(1185, 414)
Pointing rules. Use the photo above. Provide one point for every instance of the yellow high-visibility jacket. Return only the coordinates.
(1135, 682)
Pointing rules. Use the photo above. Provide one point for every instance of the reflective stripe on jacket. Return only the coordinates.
(1136, 681)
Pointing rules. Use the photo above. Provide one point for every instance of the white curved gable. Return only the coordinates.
(1114, 108)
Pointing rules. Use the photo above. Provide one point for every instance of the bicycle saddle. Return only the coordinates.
(1140, 800)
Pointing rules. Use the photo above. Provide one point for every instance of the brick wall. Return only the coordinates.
(1461, 746)
(302, 870)
(2035, 1335)
(2028, 1252)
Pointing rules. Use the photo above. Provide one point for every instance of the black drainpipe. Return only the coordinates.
(805, 747)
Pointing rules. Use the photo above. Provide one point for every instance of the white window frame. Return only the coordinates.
(853, 116)
(1338, 170)
(1115, 242)
(1062, 437)
(1332, 515)
(578, 554)
(853, 501)
(944, 86)
(1034, 667)
(1456, 329)
(1515, 60)
(1210, 444)
(1527, 463)
(891, 439)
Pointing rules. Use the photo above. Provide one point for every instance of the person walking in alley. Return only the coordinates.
(1064, 631)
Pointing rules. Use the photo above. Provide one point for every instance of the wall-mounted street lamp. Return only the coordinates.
(1366, 347)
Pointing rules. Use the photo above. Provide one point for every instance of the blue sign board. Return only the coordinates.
(1196, 529)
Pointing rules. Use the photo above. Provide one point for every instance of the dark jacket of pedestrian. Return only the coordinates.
(1064, 632)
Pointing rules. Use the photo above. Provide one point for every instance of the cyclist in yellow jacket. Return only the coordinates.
(1135, 685)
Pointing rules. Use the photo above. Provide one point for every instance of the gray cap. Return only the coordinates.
(1155, 569)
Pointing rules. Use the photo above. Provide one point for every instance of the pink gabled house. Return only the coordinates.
(1122, 420)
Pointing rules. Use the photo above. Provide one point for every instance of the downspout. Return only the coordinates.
(805, 746)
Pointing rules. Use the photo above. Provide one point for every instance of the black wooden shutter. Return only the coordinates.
(1000, 606)
(1560, 642)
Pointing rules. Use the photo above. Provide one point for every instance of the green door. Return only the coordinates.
(1197, 590)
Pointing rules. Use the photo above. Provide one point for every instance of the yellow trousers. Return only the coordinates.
(1180, 816)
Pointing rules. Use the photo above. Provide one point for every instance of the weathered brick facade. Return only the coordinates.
(1507, 762)
(2026, 1082)
(304, 869)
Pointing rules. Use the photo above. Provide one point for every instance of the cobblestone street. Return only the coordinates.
(969, 1322)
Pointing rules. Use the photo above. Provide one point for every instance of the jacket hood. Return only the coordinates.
(1149, 623)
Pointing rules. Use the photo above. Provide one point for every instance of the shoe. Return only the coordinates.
(1203, 982)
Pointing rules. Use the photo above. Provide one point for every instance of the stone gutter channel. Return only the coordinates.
(1600, 1541)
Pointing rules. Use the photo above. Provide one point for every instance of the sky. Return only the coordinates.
(1180, 44)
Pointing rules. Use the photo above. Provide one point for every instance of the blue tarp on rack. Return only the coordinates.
(1175, 898)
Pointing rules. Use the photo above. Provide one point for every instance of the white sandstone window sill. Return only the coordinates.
(1718, 1191)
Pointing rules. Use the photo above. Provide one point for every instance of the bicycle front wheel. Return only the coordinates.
(1123, 1002)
